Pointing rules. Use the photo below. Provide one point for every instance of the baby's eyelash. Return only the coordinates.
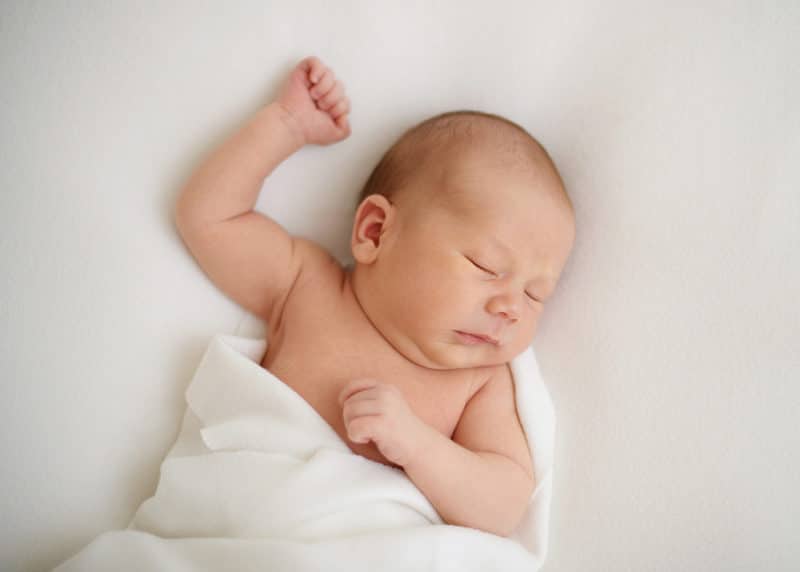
(481, 267)
(478, 266)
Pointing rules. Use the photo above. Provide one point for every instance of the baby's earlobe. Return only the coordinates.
(365, 252)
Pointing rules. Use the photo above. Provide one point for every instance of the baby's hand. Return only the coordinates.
(315, 99)
(379, 413)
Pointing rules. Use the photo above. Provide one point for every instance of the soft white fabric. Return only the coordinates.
(257, 480)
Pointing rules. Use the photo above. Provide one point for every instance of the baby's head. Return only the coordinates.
(464, 226)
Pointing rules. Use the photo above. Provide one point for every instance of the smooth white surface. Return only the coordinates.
(671, 347)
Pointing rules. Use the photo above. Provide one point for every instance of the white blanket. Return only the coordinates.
(257, 480)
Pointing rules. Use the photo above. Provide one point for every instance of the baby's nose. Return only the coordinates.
(505, 306)
(510, 315)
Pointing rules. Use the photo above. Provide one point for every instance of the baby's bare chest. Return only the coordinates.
(321, 346)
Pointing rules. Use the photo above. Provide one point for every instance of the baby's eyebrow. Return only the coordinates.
(508, 253)
(500, 246)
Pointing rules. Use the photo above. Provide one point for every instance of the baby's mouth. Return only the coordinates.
(474, 339)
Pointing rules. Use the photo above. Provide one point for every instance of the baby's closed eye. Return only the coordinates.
(481, 267)
(485, 269)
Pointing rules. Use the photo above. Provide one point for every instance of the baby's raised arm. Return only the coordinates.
(250, 257)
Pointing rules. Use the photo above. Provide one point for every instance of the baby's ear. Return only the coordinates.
(373, 217)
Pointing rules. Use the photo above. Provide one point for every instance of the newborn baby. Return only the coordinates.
(459, 238)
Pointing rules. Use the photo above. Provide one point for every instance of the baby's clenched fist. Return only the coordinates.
(316, 103)
(378, 412)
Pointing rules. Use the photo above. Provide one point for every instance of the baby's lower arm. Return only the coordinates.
(229, 181)
(480, 490)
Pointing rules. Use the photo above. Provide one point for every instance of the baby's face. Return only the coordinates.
(483, 262)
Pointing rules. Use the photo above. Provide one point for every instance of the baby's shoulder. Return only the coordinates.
(490, 376)
(312, 251)
(317, 262)
(314, 286)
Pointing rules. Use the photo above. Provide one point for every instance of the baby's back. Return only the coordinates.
(322, 340)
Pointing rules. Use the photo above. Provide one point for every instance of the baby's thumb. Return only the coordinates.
(343, 124)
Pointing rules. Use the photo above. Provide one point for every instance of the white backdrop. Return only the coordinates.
(671, 348)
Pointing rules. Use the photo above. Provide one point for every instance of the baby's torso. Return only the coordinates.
(322, 341)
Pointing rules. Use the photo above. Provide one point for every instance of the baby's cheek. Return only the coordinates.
(528, 328)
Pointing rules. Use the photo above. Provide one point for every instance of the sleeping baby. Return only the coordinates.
(459, 238)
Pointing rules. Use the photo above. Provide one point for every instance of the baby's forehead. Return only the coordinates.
(473, 164)
(484, 187)
(491, 207)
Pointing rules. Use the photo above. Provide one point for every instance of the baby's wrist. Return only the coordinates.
(289, 121)
(419, 443)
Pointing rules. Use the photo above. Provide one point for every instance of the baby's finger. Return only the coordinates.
(364, 429)
(362, 394)
(343, 124)
(355, 409)
(313, 68)
(332, 97)
(324, 85)
(354, 387)
(342, 107)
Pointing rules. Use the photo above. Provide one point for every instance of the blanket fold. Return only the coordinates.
(257, 479)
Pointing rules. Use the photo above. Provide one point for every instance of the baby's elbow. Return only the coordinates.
(497, 527)
(505, 516)
(504, 526)
(517, 507)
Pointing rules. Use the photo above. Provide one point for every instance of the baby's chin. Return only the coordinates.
(446, 356)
